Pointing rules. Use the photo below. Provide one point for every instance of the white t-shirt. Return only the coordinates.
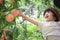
(49, 29)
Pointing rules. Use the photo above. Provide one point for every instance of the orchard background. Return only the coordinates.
(19, 27)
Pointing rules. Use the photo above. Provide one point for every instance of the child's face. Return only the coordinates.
(49, 16)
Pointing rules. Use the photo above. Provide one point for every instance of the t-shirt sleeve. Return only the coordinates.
(40, 25)
(59, 22)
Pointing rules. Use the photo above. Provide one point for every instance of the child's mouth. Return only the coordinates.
(46, 16)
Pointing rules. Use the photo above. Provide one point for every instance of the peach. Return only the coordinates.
(9, 18)
(15, 12)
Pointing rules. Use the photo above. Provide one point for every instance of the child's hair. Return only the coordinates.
(54, 11)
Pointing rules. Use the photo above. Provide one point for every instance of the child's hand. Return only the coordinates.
(21, 13)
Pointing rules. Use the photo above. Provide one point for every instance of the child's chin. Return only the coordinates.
(46, 20)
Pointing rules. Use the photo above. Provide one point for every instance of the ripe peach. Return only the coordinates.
(15, 12)
(1, 1)
(9, 18)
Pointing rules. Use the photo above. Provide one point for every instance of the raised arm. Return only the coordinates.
(28, 18)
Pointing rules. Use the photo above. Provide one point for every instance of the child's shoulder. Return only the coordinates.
(59, 21)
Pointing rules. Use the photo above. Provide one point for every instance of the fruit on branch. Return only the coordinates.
(11, 1)
(15, 12)
(1, 1)
(9, 18)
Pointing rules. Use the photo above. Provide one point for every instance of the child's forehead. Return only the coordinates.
(48, 12)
